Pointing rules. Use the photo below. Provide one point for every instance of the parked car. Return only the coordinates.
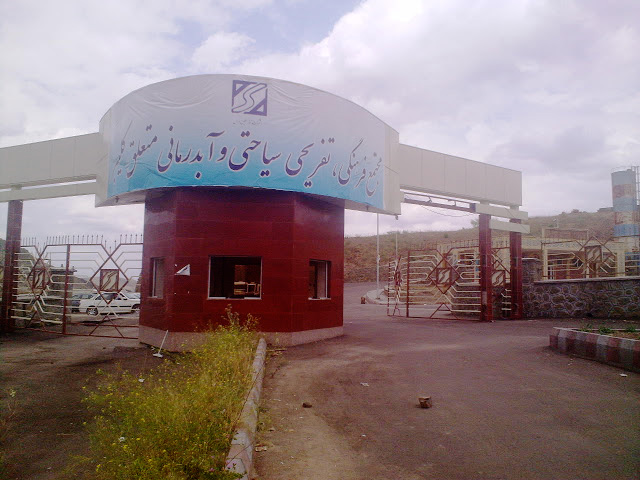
(109, 302)
(134, 297)
(76, 297)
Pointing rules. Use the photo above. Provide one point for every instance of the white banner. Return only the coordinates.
(229, 130)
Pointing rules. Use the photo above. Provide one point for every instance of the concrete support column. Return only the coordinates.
(515, 250)
(12, 247)
(620, 261)
(486, 269)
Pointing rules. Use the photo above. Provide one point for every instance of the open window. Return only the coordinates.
(319, 271)
(157, 277)
(235, 277)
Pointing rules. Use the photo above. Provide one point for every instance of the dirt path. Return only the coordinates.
(47, 373)
(504, 405)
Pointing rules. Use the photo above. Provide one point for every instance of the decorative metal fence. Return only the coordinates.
(444, 282)
(587, 258)
(79, 285)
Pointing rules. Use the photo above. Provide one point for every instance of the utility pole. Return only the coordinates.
(396, 244)
(377, 253)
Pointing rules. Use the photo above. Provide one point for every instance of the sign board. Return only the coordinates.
(230, 130)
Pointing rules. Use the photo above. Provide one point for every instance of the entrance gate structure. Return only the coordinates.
(47, 275)
(482, 278)
(278, 163)
(443, 282)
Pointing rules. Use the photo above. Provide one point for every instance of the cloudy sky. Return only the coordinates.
(551, 88)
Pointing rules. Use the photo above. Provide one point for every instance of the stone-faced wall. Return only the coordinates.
(598, 298)
(531, 270)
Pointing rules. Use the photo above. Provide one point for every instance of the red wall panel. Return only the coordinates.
(286, 229)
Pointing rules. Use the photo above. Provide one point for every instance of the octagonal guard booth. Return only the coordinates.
(245, 181)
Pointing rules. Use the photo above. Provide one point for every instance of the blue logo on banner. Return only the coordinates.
(249, 98)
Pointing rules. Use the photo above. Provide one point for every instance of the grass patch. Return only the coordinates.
(179, 421)
(630, 332)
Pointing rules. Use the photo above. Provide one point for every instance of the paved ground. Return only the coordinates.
(504, 405)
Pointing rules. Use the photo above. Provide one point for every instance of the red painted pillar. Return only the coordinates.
(515, 249)
(486, 269)
(12, 247)
(408, 275)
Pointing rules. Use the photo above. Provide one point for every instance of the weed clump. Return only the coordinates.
(178, 421)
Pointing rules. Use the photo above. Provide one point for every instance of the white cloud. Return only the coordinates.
(221, 49)
(543, 87)
(550, 88)
(65, 63)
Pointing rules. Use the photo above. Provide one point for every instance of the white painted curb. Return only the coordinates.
(376, 297)
(240, 457)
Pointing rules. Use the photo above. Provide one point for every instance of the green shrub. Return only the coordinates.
(605, 331)
(178, 421)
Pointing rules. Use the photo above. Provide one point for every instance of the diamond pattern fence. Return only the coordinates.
(445, 282)
(584, 258)
(79, 285)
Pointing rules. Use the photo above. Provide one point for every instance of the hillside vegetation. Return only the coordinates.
(360, 252)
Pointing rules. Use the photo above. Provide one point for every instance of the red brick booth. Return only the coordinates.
(276, 255)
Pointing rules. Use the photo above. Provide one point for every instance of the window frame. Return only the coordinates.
(316, 264)
(229, 263)
(157, 267)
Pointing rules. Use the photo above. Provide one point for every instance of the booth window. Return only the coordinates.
(157, 277)
(319, 278)
(235, 277)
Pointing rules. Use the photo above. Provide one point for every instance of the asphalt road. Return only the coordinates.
(504, 405)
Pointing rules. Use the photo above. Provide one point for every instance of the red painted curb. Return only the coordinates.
(585, 345)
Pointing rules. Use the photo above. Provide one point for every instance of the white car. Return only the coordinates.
(77, 297)
(109, 302)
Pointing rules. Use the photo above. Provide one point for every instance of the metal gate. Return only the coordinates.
(79, 285)
(444, 282)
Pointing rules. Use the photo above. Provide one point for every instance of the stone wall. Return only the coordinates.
(598, 298)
